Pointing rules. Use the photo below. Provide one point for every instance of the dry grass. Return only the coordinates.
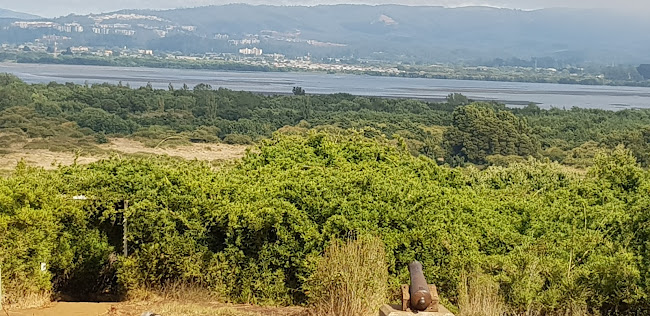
(183, 309)
(26, 300)
(180, 299)
(479, 296)
(207, 152)
(350, 280)
(176, 291)
(38, 154)
(172, 308)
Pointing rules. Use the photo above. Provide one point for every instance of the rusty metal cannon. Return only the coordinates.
(419, 296)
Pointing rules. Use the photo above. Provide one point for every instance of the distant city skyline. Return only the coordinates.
(48, 8)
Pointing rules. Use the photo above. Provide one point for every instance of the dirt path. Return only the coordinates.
(164, 309)
(69, 309)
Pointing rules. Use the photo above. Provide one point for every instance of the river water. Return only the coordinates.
(510, 93)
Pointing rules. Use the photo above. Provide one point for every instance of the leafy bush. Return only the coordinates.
(479, 131)
(39, 226)
(550, 240)
(103, 122)
(237, 139)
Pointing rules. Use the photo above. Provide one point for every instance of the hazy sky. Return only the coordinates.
(51, 8)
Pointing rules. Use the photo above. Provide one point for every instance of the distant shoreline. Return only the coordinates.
(238, 66)
(510, 93)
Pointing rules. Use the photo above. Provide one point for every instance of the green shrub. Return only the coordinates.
(550, 240)
(237, 139)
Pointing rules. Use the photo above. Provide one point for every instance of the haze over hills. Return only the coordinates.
(9, 14)
(437, 32)
(393, 32)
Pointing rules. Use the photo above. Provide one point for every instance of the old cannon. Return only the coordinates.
(419, 296)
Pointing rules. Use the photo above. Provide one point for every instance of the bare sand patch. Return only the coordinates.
(52, 159)
(165, 309)
(207, 151)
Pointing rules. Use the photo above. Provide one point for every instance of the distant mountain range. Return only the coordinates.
(379, 32)
(8, 14)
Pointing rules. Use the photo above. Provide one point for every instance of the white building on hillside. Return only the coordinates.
(251, 51)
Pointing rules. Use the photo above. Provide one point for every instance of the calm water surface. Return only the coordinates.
(511, 93)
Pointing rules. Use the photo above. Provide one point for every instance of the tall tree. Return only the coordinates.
(479, 130)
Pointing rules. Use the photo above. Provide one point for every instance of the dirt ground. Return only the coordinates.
(50, 159)
(72, 309)
(207, 152)
(163, 309)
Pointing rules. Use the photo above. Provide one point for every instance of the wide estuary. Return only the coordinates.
(510, 93)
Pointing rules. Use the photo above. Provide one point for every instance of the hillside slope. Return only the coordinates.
(447, 33)
(386, 32)
(9, 14)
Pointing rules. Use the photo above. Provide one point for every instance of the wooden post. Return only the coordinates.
(1, 296)
(125, 229)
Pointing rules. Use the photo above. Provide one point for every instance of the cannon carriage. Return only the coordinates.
(419, 297)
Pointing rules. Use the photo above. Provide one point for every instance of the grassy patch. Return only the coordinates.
(184, 309)
(479, 296)
(85, 145)
(351, 279)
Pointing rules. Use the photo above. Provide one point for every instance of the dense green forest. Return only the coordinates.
(549, 206)
(457, 132)
(551, 240)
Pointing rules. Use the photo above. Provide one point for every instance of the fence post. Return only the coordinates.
(1, 294)
(125, 229)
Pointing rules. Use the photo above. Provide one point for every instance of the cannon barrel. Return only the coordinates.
(419, 291)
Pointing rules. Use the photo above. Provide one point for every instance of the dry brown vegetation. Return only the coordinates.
(479, 296)
(175, 299)
(34, 153)
(207, 151)
(165, 308)
(30, 300)
(351, 279)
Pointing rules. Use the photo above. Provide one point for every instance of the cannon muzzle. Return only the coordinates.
(421, 297)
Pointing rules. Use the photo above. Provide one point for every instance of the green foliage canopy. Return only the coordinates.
(253, 231)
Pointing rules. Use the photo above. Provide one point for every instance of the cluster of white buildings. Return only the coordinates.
(33, 25)
(70, 28)
(308, 65)
(251, 51)
(66, 27)
(113, 24)
(126, 17)
(245, 41)
(145, 52)
(116, 28)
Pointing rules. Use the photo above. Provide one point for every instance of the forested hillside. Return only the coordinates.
(457, 132)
